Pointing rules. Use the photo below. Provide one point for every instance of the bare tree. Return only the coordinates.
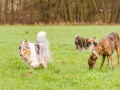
(69, 13)
(103, 2)
(112, 13)
(50, 11)
(5, 11)
(12, 13)
(56, 11)
(97, 10)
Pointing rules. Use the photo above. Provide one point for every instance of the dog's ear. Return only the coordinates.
(19, 47)
(26, 43)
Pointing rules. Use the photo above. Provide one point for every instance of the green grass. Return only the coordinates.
(69, 69)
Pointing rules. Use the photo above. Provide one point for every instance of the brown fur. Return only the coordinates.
(106, 47)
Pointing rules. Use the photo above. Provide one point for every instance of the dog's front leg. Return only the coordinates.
(85, 46)
(34, 65)
(112, 61)
(103, 59)
(108, 64)
(31, 67)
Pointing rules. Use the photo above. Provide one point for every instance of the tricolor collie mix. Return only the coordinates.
(84, 43)
(35, 54)
(106, 47)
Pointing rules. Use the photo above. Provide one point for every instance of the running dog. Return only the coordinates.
(85, 43)
(106, 47)
(35, 54)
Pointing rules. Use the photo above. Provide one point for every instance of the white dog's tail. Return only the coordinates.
(44, 51)
(40, 35)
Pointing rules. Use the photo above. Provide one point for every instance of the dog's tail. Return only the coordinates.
(40, 35)
(43, 49)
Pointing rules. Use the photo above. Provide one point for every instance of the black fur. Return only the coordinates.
(81, 43)
(37, 48)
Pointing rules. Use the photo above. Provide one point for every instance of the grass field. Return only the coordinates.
(69, 69)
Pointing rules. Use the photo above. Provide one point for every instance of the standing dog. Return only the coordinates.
(106, 47)
(85, 43)
(36, 54)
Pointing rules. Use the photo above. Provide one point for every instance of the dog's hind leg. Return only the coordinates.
(118, 54)
(103, 59)
(112, 60)
(44, 64)
(78, 47)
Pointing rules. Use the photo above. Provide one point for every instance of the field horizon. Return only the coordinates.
(69, 69)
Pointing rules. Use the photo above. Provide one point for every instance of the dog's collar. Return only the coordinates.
(96, 53)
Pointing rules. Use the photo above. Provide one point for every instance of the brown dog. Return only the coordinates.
(106, 47)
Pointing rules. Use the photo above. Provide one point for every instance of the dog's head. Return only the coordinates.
(92, 61)
(92, 40)
(96, 52)
(24, 49)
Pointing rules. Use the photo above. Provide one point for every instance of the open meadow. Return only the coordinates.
(69, 69)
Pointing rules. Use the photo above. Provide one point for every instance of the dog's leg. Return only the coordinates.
(103, 59)
(34, 65)
(44, 64)
(31, 67)
(108, 64)
(85, 46)
(79, 48)
(118, 55)
(112, 61)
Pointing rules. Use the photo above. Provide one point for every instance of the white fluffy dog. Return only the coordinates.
(36, 54)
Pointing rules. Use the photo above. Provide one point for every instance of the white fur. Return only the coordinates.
(44, 53)
(34, 60)
(31, 60)
(41, 35)
(76, 35)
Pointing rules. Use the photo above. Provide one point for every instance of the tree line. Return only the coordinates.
(59, 11)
